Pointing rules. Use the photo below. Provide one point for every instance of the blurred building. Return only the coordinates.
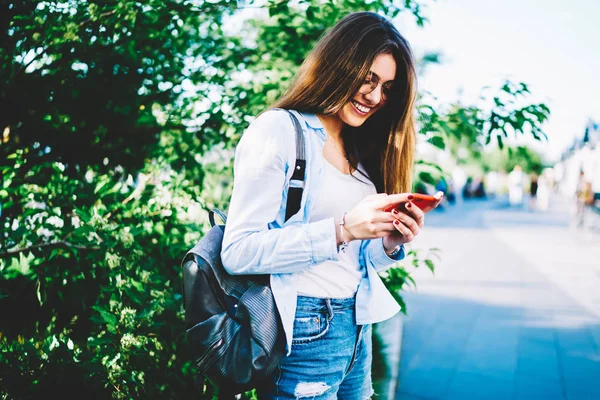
(583, 155)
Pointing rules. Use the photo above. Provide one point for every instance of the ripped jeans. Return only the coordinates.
(331, 356)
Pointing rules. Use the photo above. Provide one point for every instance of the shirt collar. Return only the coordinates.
(312, 120)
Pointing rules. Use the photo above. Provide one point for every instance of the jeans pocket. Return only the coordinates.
(309, 327)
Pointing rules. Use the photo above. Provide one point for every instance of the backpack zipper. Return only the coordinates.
(211, 350)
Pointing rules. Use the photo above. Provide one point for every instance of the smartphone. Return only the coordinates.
(424, 201)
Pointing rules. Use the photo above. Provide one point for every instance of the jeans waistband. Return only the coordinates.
(318, 303)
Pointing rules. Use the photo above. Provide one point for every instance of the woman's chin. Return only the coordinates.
(354, 120)
(357, 122)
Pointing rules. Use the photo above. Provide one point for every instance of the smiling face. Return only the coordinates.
(361, 106)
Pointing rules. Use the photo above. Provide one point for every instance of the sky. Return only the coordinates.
(553, 46)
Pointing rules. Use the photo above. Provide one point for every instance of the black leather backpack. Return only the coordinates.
(231, 321)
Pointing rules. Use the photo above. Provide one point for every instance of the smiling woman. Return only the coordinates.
(359, 66)
(354, 98)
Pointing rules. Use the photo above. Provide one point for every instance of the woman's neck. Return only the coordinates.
(333, 126)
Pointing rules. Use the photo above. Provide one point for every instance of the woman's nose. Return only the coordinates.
(375, 96)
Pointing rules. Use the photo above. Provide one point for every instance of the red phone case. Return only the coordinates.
(423, 201)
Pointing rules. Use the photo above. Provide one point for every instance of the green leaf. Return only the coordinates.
(21, 265)
(500, 141)
(438, 142)
(100, 185)
(38, 291)
(430, 265)
(109, 319)
(427, 178)
(83, 214)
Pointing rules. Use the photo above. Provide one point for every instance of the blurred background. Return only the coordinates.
(119, 121)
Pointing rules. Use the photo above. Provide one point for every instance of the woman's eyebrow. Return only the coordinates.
(373, 74)
(379, 78)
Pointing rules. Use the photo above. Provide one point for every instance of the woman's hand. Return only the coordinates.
(372, 217)
(408, 223)
(376, 216)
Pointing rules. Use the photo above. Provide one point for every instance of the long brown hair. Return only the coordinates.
(334, 71)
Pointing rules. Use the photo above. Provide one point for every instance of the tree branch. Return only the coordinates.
(101, 16)
(59, 243)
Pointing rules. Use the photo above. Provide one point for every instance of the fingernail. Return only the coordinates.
(408, 205)
(396, 222)
(410, 197)
(394, 211)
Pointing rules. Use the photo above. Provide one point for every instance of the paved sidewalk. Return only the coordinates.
(513, 311)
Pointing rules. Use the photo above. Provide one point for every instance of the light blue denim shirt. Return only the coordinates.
(258, 240)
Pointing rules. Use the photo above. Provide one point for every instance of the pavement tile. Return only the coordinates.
(581, 396)
(497, 364)
(427, 374)
(407, 396)
(528, 387)
(540, 334)
(446, 339)
(582, 373)
(469, 385)
(578, 340)
(491, 343)
(430, 383)
(538, 359)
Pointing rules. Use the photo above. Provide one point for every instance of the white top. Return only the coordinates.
(339, 193)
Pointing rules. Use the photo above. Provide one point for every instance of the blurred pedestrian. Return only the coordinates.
(515, 186)
(544, 190)
(491, 183)
(533, 191)
(451, 195)
(459, 179)
(467, 191)
(478, 189)
(584, 201)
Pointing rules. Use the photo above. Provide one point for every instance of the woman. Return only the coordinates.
(354, 97)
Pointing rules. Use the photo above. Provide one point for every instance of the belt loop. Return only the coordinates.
(329, 308)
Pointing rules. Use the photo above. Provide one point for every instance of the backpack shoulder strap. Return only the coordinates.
(211, 216)
(296, 186)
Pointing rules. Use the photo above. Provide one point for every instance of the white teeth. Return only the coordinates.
(360, 107)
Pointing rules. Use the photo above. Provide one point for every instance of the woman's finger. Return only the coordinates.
(416, 213)
(392, 200)
(438, 196)
(406, 232)
(412, 222)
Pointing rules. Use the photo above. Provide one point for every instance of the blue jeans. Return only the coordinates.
(331, 356)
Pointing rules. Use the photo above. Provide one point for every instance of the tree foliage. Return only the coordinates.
(118, 120)
(467, 131)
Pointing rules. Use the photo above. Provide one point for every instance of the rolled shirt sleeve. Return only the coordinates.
(375, 255)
